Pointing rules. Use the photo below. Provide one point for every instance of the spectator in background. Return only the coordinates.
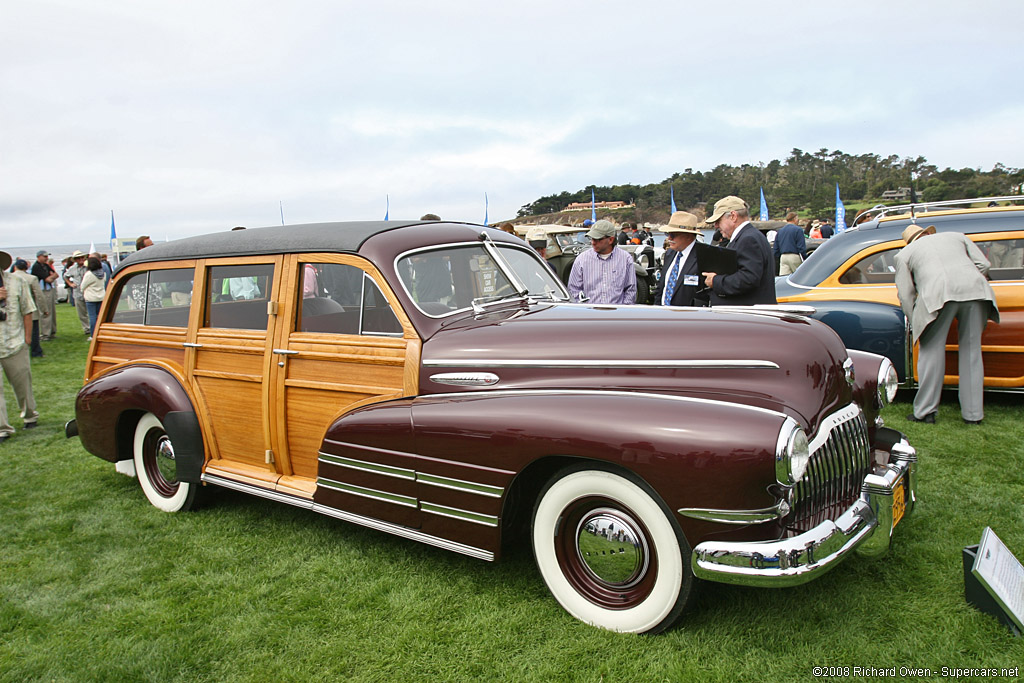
(537, 237)
(754, 279)
(507, 227)
(623, 237)
(15, 336)
(21, 272)
(144, 241)
(790, 246)
(47, 276)
(826, 229)
(604, 274)
(430, 217)
(939, 279)
(680, 284)
(93, 289)
(73, 277)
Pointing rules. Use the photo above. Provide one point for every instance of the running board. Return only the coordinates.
(369, 522)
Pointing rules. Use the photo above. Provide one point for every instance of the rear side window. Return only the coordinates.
(156, 297)
(338, 298)
(1006, 258)
(238, 295)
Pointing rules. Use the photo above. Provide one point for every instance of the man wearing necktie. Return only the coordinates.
(680, 284)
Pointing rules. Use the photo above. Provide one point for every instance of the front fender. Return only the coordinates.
(125, 393)
(868, 326)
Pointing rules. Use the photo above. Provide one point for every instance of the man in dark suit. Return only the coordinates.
(754, 279)
(680, 283)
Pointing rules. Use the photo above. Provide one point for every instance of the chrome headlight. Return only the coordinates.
(888, 381)
(792, 453)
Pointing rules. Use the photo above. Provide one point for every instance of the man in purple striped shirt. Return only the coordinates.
(604, 274)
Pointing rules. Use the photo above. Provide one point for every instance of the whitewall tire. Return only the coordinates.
(609, 551)
(156, 469)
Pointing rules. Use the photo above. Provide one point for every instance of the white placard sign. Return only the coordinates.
(1001, 574)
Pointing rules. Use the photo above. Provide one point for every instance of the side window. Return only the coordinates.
(875, 269)
(131, 300)
(157, 297)
(378, 318)
(238, 295)
(170, 297)
(338, 298)
(1006, 258)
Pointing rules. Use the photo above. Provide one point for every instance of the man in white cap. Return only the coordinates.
(754, 279)
(941, 278)
(537, 237)
(604, 274)
(680, 277)
(73, 277)
(16, 310)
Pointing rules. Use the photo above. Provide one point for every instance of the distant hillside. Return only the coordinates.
(804, 182)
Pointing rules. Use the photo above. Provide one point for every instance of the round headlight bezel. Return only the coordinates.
(792, 453)
(888, 382)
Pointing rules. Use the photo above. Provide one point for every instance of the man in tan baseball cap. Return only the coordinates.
(604, 274)
(680, 283)
(754, 279)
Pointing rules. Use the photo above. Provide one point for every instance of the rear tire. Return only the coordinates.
(156, 469)
(610, 552)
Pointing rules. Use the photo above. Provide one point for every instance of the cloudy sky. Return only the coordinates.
(195, 116)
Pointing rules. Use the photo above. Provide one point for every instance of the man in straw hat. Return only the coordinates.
(16, 310)
(941, 278)
(754, 279)
(680, 283)
(604, 274)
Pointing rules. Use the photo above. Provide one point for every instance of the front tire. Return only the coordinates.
(610, 552)
(156, 469)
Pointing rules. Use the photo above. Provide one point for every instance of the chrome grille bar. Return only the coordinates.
(835, 472)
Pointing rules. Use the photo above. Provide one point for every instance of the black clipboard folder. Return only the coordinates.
(715, 259)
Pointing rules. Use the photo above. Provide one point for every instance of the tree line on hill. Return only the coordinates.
(803, 181)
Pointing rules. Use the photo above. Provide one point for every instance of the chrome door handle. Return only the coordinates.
(190, 345)
(285, 352)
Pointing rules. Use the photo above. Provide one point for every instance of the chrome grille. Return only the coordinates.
(834, 475)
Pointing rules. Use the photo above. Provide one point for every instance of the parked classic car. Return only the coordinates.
(850, 282)
(566, 242)
(388, 374)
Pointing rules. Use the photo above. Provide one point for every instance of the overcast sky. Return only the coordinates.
(194, 116)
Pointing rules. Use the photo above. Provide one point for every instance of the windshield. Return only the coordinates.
(448, 279)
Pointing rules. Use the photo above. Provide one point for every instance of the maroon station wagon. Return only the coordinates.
(432, 380)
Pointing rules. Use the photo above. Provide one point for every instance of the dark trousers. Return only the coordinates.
(37, 349)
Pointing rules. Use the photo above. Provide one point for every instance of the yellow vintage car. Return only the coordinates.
(850, 281)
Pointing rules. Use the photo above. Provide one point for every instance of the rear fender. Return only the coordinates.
(107, 408)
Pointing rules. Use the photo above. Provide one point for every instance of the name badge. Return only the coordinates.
(690, 280)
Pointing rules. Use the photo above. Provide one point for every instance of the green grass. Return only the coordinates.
(96, 584)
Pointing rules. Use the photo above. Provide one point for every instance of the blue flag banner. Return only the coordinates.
(840, 213)
(764, 207)
(672, 195)
(113, 233)
(593, 211)
(388, 209)
(485, 208)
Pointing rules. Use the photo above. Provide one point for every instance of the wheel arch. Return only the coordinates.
(108, 408)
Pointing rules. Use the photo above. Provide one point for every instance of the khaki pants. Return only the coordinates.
(18, 369)
(83, 313)
(48, 314)
(788, 263)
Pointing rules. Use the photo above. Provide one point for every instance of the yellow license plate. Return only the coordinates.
(899, 503)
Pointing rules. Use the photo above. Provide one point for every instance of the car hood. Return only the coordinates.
(777, 361)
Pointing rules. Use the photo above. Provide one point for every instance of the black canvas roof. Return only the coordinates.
(322, 237)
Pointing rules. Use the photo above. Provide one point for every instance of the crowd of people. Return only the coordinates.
(28, 315)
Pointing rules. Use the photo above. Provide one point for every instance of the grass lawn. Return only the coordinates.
(96, 584)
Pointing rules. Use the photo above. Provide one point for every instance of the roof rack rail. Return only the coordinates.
(883, 210)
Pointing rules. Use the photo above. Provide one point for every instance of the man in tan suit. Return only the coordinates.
(941, 278)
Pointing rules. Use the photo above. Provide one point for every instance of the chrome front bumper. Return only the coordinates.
(866, 526)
